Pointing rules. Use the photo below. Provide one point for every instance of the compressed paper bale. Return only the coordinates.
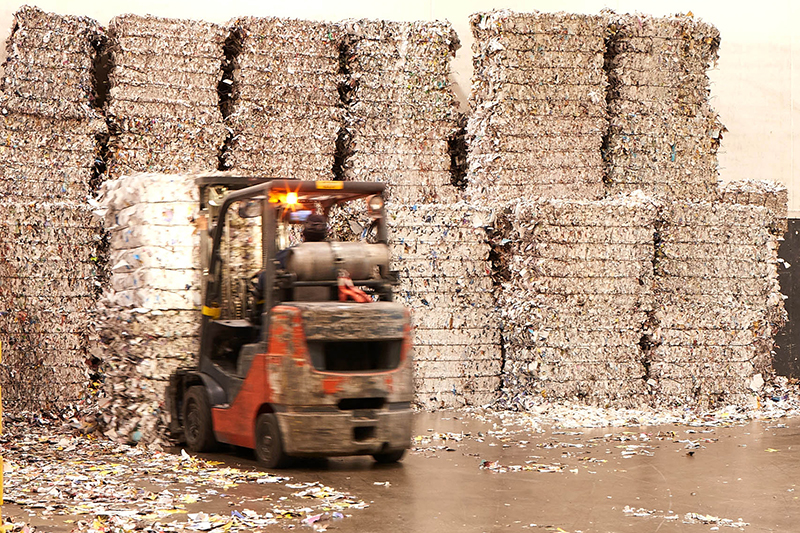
(394, 110)
(541, 75)
(134, 76)
(456, 369)
(400, 128)
(156, 299)
(156, 214)
(148, 188)
(43, 77)
(586, 43)
(293, 61)
(31, 187)
(282, 164)
(130, 25)
(412, 249)
(53, 266)
(184, 110)
(262, 31)
(677, 27)
(67, 286)
(454, 337)
(193, 144)
(134, 237)
(575, 340)
(404, 145)
(156, 63)
(465, 384)
(435, 299)
(127, 260)
(258, 80)
(455, 317)
(710, 268)
(416, 194)
(772, 195)
(257, 96)
(428, 267)
(540, 125)
(424, 162)
(256, 126)
(167, 279)
(507, 192)
(164, 94)
(444, 352)
(746, 287)
(425, 34)
(715, 337)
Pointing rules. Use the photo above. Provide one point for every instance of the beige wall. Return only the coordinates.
(755, 85)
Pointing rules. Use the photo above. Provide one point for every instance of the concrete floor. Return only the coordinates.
(747, 475)
(475, 475)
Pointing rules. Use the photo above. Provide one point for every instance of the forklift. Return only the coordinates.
(303, 352)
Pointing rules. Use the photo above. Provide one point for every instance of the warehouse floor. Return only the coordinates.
(467, 472)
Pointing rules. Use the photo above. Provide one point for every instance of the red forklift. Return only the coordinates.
(303, 352)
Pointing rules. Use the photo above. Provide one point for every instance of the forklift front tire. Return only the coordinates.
(269, 445)
(197, 426)
(388, 457)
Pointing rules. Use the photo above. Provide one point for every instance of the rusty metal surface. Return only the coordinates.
(332, 433)
(353, 321)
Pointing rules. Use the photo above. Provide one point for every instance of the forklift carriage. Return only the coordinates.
(302, 350)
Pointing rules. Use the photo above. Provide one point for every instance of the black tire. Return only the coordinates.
(198, 430)
(388, 457)
(269, 444)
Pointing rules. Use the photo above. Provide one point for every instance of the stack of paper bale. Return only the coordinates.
(539, 100)
(285, 115)
(163, 98)
(577, 300)
(442, 256)
(150, 308)
(664, 135)
(51, 251)
(718, 302)
(400, 108)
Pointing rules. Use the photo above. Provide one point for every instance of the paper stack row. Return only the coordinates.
(718, 302)
(664, 135)
(578, 294)
(284, 108)
(51, 256)
(539, 100)
(442, 255)
(149, 312)
(48, 291)
(400, 110)
(163, 98)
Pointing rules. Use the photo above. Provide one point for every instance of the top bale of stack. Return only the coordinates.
(664, 135)
(540, 108)
(49, 69)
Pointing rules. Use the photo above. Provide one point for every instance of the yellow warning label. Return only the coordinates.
(330, 185)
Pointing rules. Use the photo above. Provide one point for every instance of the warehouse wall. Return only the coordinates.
(753, 89)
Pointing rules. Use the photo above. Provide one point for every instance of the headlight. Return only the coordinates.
(375, 204)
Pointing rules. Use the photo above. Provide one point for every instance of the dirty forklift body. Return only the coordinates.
(293, 367)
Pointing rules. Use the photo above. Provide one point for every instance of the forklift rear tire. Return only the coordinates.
(269, 445)
(388, 457)
(197, 426)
